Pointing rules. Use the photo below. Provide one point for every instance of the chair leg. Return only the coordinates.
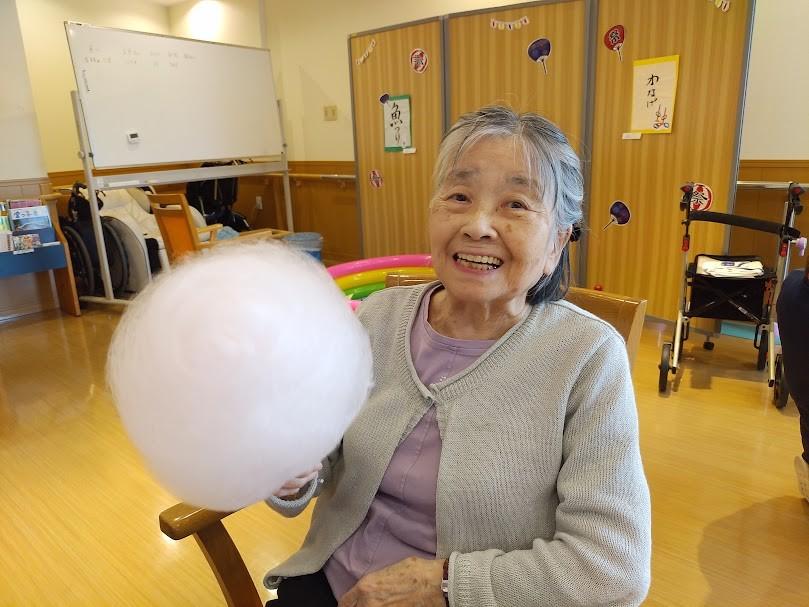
(234, 580)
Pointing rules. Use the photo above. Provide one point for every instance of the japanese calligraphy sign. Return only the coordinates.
(654, 89)
(396, 114)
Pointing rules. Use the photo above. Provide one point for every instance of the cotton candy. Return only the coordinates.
(238, 370)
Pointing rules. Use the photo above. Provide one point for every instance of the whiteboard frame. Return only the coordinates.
(159, 177)
(76, 70)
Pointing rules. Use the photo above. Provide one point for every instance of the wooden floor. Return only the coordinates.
(78, 512)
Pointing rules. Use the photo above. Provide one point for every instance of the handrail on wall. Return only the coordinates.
(762, 185)
(317, 176)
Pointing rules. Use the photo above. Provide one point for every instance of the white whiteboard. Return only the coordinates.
(153, 99)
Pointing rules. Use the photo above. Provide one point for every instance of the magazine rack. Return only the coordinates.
(53, 258)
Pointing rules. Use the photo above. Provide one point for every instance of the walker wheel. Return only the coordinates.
(763, 346)
(708, 345)
(665, 365)
(780, 392)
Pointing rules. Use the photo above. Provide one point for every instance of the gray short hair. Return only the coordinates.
(551, 162)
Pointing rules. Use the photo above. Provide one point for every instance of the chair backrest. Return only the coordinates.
(626, 314)
(176, 224)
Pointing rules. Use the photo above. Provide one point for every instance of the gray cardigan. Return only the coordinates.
(541, 496)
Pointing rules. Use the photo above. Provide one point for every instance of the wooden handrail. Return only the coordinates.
(762, 185)
(316, 176)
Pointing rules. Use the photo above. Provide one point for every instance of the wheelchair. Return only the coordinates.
(78, 230)
(724, 287)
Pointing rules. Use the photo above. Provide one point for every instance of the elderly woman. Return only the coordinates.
(496, 460)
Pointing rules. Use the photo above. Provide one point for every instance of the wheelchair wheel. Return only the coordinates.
(83, 272)
(665, 365)
(780, 392)
(763, 346)
(116, 257)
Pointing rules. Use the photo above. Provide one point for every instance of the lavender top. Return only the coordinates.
(401, 520)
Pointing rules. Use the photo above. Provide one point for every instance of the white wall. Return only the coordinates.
(229, 21)
(776, 117)
(49, 64)
(20, 152)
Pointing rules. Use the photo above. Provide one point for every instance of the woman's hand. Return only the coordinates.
(293, 486)
(413, 582)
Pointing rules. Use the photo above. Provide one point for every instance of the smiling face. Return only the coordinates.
(492, 238)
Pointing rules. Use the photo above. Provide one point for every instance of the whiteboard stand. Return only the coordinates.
(86, 155)
(151, 178)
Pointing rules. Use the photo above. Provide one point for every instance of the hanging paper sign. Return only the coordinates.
(419, 60)
(701, 197)
(362, 58)
(375, 177)
(539, 50)
(619, 213)
(509, 25)
(614, 40)
(396, 114)
(654, 89)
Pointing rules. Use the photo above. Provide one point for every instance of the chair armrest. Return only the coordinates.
(212, 229)
(264, 233)
(182, 520)
(217, 546)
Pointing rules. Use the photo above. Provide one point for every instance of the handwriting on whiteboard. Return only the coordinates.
(130, 56)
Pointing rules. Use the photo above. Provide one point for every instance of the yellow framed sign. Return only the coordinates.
(654, 91)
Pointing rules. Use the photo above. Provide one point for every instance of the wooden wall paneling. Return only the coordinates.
(326, 205)
(255, 186)
(643, 259)
(769, 205)
(488, 66)
(394, 217)
(27, 294)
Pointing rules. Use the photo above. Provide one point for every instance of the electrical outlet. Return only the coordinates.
(329, 112)
(259, 203)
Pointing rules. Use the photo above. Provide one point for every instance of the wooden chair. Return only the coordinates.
(626, 314)
(178, 522)
(180, 234)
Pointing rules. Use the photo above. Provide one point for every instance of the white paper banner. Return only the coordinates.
(396, 113)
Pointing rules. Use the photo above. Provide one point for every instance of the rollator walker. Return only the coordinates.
(738, 288)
